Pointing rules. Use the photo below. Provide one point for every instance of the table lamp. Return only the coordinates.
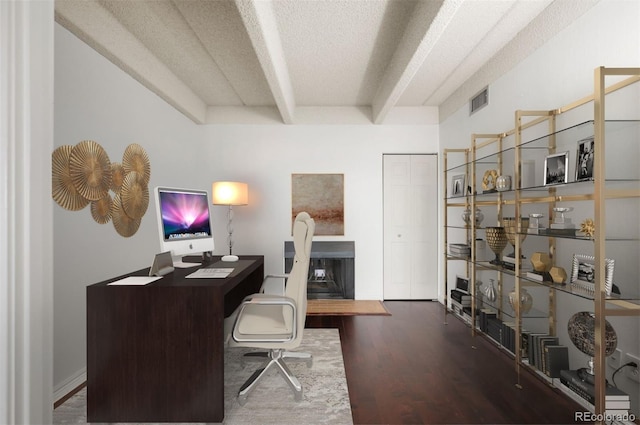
(230, 194)
(581, 329)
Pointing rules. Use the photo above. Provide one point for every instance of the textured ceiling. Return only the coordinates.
(225, 58)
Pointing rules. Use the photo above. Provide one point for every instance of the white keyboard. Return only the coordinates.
(210, 273)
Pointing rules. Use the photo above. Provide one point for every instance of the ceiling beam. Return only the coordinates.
(427, 24)
(94, 25)
(260, 22)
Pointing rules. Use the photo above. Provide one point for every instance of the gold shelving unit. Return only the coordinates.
(594, 194)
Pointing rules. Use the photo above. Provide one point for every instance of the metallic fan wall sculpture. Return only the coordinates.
(83, 175)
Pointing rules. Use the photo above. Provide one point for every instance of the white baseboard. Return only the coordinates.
(62, 390)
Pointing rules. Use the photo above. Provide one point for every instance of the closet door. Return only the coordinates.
(410, 226)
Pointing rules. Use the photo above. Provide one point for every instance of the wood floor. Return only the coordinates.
(411, 368)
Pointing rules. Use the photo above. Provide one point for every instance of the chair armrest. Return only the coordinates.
(274, 288)
(268, 299)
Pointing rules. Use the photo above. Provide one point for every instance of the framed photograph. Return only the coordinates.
(457, 185)
(583, 273)
(584, 159)
(556, 167)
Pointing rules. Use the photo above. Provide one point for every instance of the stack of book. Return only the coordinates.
(617, 402)
(459, 249)
(509, 262)
(462, 298)
(539, 276)
(546, 354)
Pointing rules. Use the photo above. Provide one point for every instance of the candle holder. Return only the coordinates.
(534, 223)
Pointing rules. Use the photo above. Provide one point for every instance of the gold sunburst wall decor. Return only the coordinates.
(84, 175)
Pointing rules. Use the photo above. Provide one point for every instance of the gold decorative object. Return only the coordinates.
(83, 174)
(541, 262)
(134, 195)
(558, 274)
(489, 180)
(497, 240)
(588, 227)
(135, 158)
(101, 209)
(526, 300)
(117, 176)
(512, 229)
(90, 170)
(124, 225)
(62, 189)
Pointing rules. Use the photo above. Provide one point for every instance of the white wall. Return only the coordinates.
(96, 100)
(557, 74)
(266, 156)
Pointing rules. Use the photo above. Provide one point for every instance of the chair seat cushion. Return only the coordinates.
(264, 319)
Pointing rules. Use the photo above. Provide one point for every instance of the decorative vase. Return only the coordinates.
(503, 183)
(466, 216)
(490, 292)
(497, 240)
(526, 300)
(479, 217)
(513, 229)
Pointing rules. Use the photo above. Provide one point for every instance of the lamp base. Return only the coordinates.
(230, 258)
(586, 376)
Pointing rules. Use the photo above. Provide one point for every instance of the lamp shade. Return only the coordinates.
(230, 193)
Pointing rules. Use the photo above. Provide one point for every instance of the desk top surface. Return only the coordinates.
(244, 266)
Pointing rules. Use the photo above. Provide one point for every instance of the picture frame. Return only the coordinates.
(583, 273)
(585, 159)
(556, 168)
(322, 196)
(458, 185)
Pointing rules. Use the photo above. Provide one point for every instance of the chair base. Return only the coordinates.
(275, 359)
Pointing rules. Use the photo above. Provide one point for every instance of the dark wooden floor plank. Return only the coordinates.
(412, 368)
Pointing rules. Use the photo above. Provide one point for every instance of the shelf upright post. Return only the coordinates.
(472, 236)
(552, 241)
(600, 232)
(517, 184)
(445, 237)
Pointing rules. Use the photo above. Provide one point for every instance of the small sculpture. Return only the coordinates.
(503, 183)
(558, 275)
(588, 227)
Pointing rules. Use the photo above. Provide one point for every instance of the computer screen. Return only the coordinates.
(184, 222)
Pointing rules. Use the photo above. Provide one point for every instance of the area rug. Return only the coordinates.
(325, 399)
(346, 308)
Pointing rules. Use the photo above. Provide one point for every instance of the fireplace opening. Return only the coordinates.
(331, 269)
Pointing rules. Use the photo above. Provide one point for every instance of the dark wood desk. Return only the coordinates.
(155, 353)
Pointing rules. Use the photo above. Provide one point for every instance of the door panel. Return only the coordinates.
(410, 227)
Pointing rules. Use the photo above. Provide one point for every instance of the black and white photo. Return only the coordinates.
(556, 167)
(457, 185)
(584, 160)
(583, 273)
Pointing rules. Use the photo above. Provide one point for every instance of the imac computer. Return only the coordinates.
(184, 222)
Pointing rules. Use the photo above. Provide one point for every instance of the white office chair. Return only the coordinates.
(275, 321)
